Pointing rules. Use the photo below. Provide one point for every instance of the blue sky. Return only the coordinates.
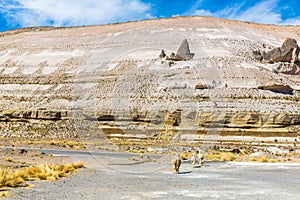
(27, 13)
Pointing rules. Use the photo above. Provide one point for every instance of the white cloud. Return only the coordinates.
(262, 12)
(292, 21)
(73, 12)
(203, 12)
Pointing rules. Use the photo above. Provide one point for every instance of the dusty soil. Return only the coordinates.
(117, 175)
(214, 180)
(18, 158)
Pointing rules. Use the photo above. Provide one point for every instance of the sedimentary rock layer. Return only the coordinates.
(110, 81)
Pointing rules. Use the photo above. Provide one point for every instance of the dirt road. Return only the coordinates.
(155, 180)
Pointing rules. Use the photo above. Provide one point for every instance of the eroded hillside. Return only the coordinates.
(111, 82)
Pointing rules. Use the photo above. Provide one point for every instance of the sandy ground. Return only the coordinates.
(155, 180)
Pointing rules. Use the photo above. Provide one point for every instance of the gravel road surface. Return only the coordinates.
(155, 180)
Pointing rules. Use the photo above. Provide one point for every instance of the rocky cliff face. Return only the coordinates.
(111, 82)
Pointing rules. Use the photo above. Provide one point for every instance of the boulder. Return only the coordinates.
(288, 68)
(184, 51)
(291, 50)
(201, 86)
(283, 89)
(171, 63)
(288, 52)
(162, 54)
(172, 56)
(257, 55)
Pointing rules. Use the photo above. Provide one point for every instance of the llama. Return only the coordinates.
(193, 159)
(200, 157)
(176, 163)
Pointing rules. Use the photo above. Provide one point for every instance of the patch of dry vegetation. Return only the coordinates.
(223, 156)
(17, 178)
(144, 146)
(263, 159)
(8, 159)
(217, 155)
(72, 143)
(76, 145)
(223, 152)
(4, 194)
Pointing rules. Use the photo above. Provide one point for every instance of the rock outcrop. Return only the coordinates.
(229, 123)
(284, 57)
(35, 114)
(284, 89)
(288, 68)
(288, 52)
(257, 55)
(183, 53)
(201, 86)
(162, 54)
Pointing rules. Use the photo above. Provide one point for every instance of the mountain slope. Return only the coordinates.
(109, 82)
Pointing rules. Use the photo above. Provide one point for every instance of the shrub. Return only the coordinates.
(9, 160)
(9, 179)
(253, 159)
(135, 159)
(263, 159)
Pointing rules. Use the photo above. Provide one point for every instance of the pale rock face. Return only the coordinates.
(108, 81)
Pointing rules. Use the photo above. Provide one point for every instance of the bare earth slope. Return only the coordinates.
(109, 82)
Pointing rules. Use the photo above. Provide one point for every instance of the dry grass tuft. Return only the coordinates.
(137, 151)
(135, 159)
(9, 179)
(17, 178)
(242, 155)
(263, 159)
(14, 161)
(9, 160)
(65, 143)
(4, 194)
(272, 160)
(227, 156)
(253, 159)
(222, 156)
(214, 157)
